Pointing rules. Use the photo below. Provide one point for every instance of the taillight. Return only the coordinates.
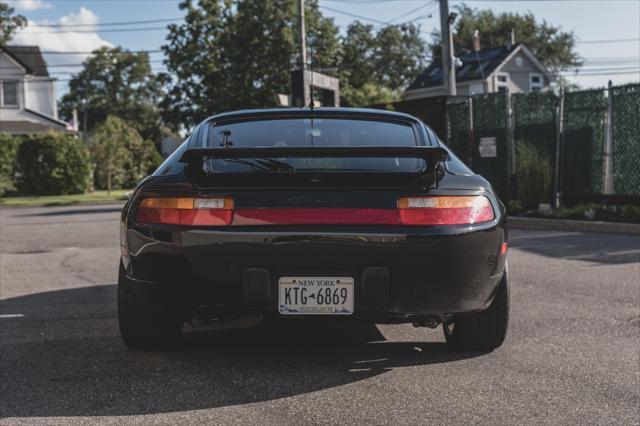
(444, 210)
(219, 211)
(214, 211)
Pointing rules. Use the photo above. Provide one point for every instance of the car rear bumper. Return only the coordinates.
(398, 273)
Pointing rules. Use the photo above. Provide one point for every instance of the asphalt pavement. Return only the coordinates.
(571, 355)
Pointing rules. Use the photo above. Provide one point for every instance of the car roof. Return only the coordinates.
(369, 113)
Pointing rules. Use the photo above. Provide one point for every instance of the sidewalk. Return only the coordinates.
(573, 225)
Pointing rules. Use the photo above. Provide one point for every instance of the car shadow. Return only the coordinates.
(65, 358)
(591, 247)
(72, 211)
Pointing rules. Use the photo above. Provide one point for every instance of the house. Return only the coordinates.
(514, 68)
(27, 93)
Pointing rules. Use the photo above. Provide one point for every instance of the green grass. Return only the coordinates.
(62, 200)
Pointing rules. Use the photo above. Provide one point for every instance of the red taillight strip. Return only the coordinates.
(315, 216)
(411, 211)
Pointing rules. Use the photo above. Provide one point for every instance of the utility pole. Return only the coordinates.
(559, 138)
(448, 64)
(302, 66)
(301, 35)
(608, 145)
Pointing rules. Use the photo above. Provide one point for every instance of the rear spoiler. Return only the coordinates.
(431, 154)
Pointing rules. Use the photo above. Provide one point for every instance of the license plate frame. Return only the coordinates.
(308, 291)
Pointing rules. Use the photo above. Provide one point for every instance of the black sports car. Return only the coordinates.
(314, 213)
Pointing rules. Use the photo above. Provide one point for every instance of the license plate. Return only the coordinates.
(316, 295)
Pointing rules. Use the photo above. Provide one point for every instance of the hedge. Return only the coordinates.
(52, 164)
(8, 150)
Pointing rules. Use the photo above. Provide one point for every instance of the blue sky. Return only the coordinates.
(591, 20)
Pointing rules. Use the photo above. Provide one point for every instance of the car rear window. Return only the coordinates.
(312, 132)
(306, 132)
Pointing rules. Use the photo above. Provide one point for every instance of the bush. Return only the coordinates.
(631, 213)
(533, 175)
(515, 206)
(121, 158)
(52, 163)
(8, 152)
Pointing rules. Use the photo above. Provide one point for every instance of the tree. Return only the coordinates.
(376, 67)
(232, 55)
(120, 156)
(229, 55)
(9, 22)
(115, 81)
(555, 48)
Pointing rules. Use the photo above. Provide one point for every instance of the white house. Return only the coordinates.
(27, 93)
(514, 68)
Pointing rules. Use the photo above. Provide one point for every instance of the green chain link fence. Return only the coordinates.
(583, 141)
(536, 121)
(626, 138)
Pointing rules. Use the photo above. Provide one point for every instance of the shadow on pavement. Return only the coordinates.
(592, 247)
(65, 358)
(65, 212)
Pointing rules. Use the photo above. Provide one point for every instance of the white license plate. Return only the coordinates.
(315, 295)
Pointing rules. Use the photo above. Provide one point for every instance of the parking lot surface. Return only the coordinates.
(571, 355)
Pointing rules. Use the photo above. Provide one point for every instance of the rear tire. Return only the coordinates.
(141, 328)
(486, 330)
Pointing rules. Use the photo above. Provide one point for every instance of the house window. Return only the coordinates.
(502, 82)
(536, 82)
(9, 93)
(476, 89)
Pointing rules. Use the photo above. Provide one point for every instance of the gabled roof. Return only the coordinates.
(475, 66)
(29, 57)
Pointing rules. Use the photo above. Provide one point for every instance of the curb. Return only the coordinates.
(516, 222)
(73, 204)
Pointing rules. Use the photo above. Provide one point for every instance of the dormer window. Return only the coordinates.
(9, 93)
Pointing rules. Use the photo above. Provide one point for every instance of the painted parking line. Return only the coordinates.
(2, 316)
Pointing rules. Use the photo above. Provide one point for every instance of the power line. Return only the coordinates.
(504, 1)
(618, 40)
(108, 24)
(602, 74)
(375, 21)
(353, 15)
(412, 11)
(119, 30)
(632, 67)
(73, 52)
(152, 61)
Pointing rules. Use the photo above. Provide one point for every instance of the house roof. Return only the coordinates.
(475, 66)
(29, 57)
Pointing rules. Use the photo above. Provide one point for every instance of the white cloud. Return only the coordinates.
(82, 39)
(83, 17)
(69, 39)
(29, 5)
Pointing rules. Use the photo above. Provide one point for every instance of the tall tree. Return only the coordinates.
(555, 48)
(377, 66)
(9, 22)
(229, 55)
(115, 81)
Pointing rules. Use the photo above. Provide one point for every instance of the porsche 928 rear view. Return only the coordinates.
(326, 213)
